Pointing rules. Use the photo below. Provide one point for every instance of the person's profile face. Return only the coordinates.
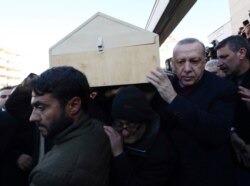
(49, 115)
(228, 61)
(247, 30)
(189, 63)
(4, 95)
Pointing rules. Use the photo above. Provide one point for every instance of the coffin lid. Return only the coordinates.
(114, 33)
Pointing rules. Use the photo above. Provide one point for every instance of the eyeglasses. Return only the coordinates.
(119, 125)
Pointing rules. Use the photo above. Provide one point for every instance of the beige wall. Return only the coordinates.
(221, 33)
(239, 11)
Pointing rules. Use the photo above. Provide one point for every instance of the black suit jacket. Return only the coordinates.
(242, 116)
(198, 123)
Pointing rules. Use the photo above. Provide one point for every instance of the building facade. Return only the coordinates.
(10, 68)
(239, 12)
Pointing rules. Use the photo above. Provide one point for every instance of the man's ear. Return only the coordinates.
(74, 105)
(242, 53)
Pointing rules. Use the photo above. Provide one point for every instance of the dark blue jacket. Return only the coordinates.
(198, 122)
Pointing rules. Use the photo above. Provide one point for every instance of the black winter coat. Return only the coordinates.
(149, 162)
(198, 123)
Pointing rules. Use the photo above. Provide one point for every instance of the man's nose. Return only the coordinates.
(187, 66)
(34, 116)
(220, 62)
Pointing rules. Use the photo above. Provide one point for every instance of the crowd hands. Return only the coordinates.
(242, 150)
(182, 134)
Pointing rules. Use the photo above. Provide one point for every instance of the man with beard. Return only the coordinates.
(81, 152)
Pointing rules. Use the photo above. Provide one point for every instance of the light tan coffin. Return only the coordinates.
(109, 51)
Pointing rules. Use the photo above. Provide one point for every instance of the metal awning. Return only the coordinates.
(166, 15)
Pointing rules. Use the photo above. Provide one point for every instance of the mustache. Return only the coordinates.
(39, 124)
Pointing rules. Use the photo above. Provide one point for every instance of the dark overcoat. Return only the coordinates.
(198, 122)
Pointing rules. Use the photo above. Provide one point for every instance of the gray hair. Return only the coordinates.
(190, 41)
(212, 62)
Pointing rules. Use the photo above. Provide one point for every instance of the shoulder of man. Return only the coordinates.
(219, 83)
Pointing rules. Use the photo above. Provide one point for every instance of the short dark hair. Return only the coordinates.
(190, 41)
(64, 83)
(235, 42)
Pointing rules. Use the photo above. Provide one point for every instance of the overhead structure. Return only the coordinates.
(166, 15)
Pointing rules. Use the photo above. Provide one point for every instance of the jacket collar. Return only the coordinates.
(72, 130)
(186, 90)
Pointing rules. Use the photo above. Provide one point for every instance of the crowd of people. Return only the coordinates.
(191, 129)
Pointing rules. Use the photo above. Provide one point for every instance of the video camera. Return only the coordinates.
(210, 51)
